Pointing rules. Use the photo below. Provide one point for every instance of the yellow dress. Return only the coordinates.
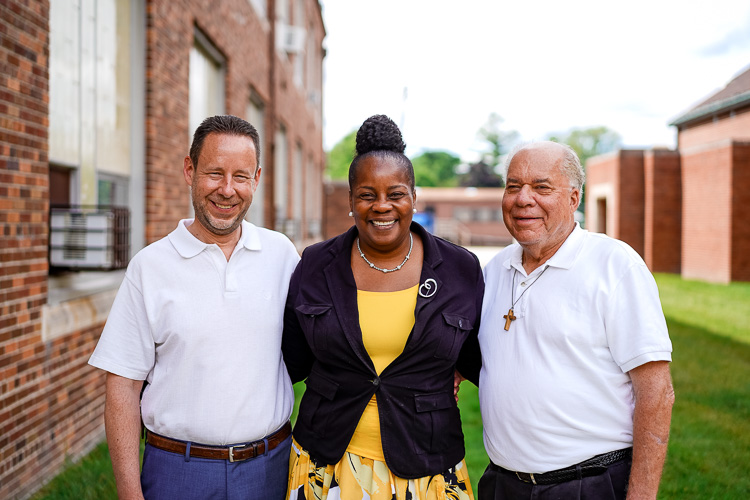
(362, 472)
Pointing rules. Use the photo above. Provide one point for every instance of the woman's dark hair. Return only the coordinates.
(223, 124)
(380, 137)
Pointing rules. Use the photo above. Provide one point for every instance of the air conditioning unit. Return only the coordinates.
(89, 237)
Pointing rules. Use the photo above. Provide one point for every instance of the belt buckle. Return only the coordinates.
(232, 448)
(531, 475)
(231, 453)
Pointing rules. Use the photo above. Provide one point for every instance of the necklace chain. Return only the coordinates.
(513, 301)
(382, 270)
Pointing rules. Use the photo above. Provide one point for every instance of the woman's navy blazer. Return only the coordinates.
(322, 343)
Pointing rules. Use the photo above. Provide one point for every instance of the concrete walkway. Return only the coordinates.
(484, 254)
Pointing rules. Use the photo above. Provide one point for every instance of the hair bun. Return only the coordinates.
(379, 133)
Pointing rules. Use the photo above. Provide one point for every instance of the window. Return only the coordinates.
(112, 190)
(299, 56)
(256, 117)
(90, 95)
(261, 7)
(298, 181)
(313, 199)
(206, 81)
(280, 178)
(96, 152)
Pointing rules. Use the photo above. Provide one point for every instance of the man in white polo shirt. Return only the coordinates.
(575, 389)
(199, 318)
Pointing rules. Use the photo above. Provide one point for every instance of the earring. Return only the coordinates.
(350, 214)
(414, 210)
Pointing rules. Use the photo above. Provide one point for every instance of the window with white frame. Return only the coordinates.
(90, 117)
(313, 199)
(261, 7)
(256, 117)
(298, 192)
(280, 178)
(299, 56)
(206, 81)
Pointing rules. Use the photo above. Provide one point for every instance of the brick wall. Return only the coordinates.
(243, 39)
(49, 400)
(602, 192)
(662, 210)
(740, 202)
(336, 218)
(736, 126)
(631, 199)
(707, 212)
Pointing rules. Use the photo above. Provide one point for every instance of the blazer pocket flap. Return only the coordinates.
(322, 386)
(457, 321)
(313, 309)
(434, 401)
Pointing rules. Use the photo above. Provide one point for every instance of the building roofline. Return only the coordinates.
(728, 104)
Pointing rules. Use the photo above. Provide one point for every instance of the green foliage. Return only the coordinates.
(436, 169)
(341, 156)
(498, 141)
(480, 174)
(588, 142)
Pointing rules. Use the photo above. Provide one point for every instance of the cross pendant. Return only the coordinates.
(508, 318)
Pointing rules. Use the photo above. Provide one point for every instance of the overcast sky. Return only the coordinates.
(544, 66)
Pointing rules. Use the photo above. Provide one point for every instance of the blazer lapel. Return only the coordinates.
(430, 285)
(343, 290)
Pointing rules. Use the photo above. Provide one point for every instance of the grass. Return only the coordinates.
(89, 479)
(720, 309)
(709, 448)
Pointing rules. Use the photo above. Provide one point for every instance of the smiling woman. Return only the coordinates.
(379, 414)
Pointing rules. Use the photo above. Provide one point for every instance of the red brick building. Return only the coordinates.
(683, 210)
(98, 101)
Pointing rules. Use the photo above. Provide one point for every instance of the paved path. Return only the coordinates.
(484, 253)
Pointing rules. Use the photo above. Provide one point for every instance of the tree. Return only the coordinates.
(588, 142)
(436, 169)
(341, 156)
(498, 142)
(480, 174)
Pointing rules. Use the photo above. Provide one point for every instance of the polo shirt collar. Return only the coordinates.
(189, 246)
(564, 258)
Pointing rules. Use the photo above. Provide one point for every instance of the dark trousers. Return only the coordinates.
(611, 484)
(171, 476)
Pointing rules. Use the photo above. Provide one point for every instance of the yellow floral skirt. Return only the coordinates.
(359, 478)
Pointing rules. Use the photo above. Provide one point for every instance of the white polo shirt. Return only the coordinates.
(206, 334)
(554, 389)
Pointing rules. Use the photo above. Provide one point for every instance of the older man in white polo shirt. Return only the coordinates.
(199, 318)
(575, 389)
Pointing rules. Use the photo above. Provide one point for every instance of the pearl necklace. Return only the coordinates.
(411, 245)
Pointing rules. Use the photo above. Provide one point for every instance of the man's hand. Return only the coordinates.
(654, 397)
(457, 379)
(122, 420)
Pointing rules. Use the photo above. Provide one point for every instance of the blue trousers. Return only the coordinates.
(610, 485)
(170, 476)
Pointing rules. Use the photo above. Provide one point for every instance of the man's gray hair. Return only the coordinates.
(571, 165)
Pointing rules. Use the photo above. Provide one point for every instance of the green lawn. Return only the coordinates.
(709, 449)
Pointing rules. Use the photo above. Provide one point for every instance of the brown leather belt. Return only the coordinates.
(235, 453)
